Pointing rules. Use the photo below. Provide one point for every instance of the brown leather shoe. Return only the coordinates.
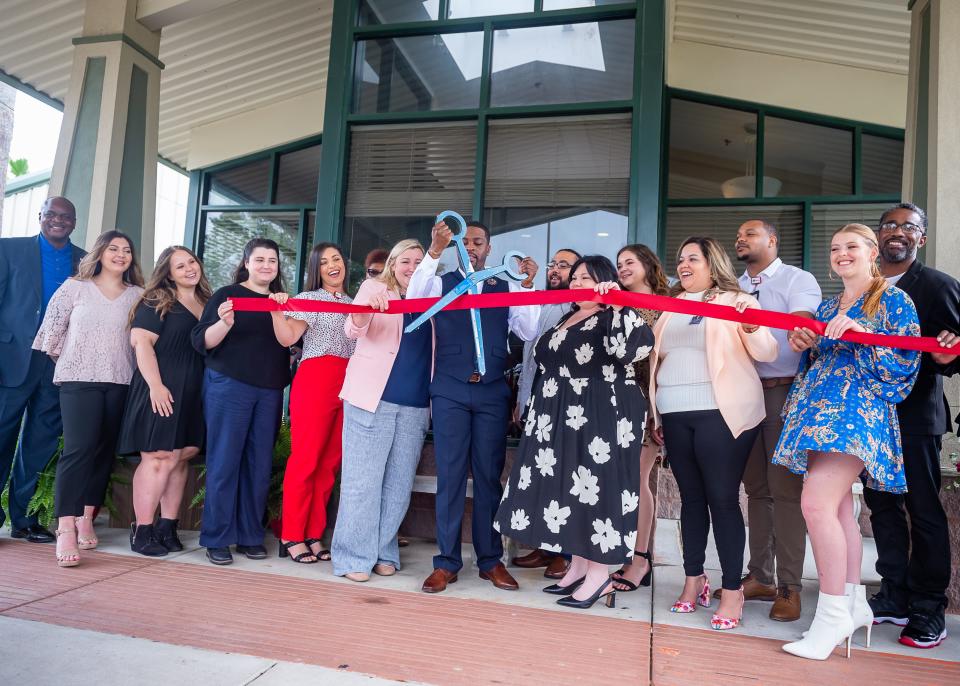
(754, 590)
(786, 608)
(500, 577)
(438, 580)
(533, 559)
(556, 569)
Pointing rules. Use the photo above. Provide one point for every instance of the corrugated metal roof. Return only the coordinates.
(871, 34)
(250, 54)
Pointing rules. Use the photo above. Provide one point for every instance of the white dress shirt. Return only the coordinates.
(425, 283)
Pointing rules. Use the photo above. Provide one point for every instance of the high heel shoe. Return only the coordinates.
(586, 604)
(323, 555)
(703, 599)
(557, 589)
(645, 581)
(63, 556)
(831, 625)
(302, 557)
(721, 623)
(860, 610)
(86, 543)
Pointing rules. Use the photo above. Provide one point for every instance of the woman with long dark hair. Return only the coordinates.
(316, 411)
(640, 271)
(569, 488)
(163, 421)
(246, 372)
(84, 330)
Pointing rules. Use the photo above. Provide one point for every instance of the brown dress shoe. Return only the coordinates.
(438, 580)
(500, 577)
(556, 569)
(533, 559)
(786, 608)
(754, 590)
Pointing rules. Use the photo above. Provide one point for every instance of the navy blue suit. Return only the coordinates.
(30, 423)
(469, 427)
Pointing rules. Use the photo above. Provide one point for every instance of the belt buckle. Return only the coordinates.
(474, 378)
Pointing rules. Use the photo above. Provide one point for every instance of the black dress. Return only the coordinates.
(574, 485)
(181, 370)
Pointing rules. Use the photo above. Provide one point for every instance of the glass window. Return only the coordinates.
(309, 228)
(824, 220)
(569, 4)
(557, 183)
(722, 223)
(400, 178)
(418, 73)
(808, 159)
(227, 232)
(713, 152)
(482, 8)
(881, 164)
(298, 177)
(540, 65)
(246, 184)
(394, 11)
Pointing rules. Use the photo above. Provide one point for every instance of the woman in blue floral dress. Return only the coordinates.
(840, 420)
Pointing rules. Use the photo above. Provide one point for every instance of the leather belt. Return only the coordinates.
(775, 381)
(474, 378)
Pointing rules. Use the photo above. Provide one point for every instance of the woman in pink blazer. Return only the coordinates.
(386, 412)
(707, 403)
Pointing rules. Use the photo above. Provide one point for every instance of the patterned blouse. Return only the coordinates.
(845, 396)
(87, 333)
(324, 335)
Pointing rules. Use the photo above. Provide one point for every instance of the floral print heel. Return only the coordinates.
(703, 599)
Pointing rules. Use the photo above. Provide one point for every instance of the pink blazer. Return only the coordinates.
(377, 346)
(730, 357)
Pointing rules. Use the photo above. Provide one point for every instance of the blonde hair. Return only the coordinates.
(722, 275)
(90, 265)
(388, 277)
(878, 284)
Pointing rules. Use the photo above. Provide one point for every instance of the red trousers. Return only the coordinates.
(316, 427)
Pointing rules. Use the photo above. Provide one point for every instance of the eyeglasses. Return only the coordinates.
(62, 216)
(374, 272)
(906, 227)
(559, 265)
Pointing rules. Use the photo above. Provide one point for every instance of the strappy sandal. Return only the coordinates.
(302, 557)
(64, 556)
(630, 586)
(86, 543)
(323, 555)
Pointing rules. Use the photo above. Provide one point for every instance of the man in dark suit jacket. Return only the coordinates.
(31, 269)
(914, 561)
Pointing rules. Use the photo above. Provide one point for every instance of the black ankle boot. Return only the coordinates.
(142, 541)
(165, 533)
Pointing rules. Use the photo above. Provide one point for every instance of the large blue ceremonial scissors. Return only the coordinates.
(469, 284)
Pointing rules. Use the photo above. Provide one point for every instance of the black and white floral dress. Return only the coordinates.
(574, 485)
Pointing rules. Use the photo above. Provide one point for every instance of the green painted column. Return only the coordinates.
(106, 159)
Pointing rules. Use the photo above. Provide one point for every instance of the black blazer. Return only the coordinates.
(21, 300)
(937, 298)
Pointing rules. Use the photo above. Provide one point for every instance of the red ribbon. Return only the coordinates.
(776, 320)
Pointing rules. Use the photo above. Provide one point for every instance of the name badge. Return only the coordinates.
(696, 320)
(756, 280)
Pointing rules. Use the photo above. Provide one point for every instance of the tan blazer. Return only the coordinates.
(377, 345)
(730, 357)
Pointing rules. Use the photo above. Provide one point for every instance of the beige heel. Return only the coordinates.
(64, 557)
(86, 543)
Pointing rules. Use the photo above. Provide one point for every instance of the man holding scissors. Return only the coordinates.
(471, 409)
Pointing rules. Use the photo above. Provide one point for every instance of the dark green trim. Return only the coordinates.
(538, 6)
(25, 87)
(123, 38)
(786, 113)
(443, 9)
(81, 158)
(293, 146)
(172, 165)
(129, 217)
(272, 178)
(794, 200)
(25, 183)
(760, 173)
(921, 133)
(512, 112)
(191, 228)
(647, 126)
(296, 207)
(301, 250)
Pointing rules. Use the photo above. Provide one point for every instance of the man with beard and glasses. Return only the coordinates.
(558, 276)
(914, 561)
(777, 529)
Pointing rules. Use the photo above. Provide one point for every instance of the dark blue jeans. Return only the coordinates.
(30, 429)
(242, 424)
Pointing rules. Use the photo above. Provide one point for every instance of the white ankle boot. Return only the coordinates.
(860, 610)
(832, 624)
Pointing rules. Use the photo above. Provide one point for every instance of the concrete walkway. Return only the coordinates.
(181, 620)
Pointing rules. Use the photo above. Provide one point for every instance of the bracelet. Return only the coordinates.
(436, 257)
